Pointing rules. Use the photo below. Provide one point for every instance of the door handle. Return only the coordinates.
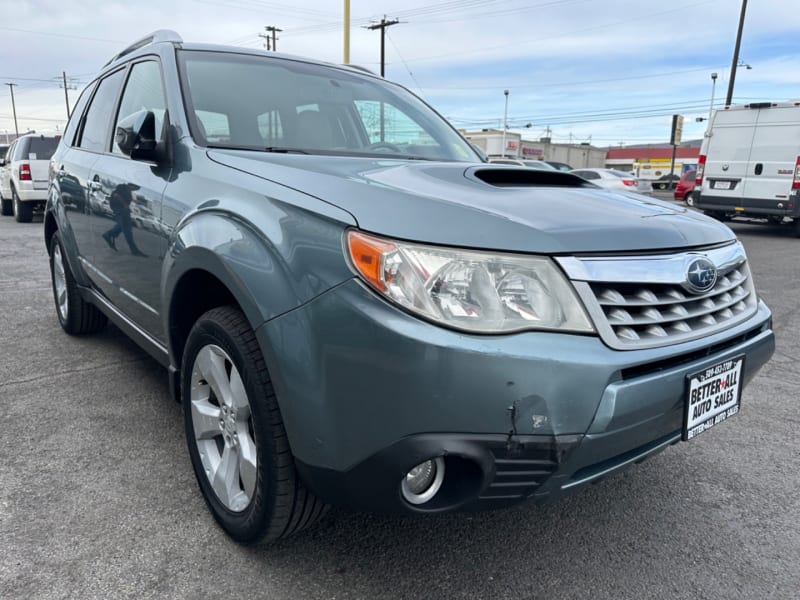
(759, 168)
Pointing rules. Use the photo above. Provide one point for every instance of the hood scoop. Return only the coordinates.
(522, 177)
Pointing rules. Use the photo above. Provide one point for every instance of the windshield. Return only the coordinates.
(261, 103)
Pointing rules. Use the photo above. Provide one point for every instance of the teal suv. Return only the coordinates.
(355, 310)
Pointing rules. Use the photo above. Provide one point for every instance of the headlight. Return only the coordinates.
(480, 292)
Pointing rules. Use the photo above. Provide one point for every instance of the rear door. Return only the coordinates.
(728, 153)
(775, 148)
(80, 195)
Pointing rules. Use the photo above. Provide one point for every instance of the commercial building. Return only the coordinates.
(576, 155)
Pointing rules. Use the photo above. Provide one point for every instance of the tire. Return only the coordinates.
(6, 206)
(796, 225)
(77, 317)
(23, 211)
(238, 447)
(714, 214)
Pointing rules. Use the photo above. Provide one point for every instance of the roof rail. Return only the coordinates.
(359, 68)
(161, 35)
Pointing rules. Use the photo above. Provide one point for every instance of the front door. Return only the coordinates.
(129, 240)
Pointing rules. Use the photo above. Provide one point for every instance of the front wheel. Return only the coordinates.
(237, 442)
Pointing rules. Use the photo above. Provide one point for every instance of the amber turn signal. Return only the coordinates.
(366, 254)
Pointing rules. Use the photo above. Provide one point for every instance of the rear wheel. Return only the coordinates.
(23, 211)
(75, 314)
(6, 206)
(237, 442)
(796, 225)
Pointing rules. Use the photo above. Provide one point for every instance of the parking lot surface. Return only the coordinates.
(98, 499)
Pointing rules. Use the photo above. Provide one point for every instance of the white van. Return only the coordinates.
(749, 164)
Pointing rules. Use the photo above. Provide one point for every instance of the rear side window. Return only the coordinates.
(587, 174)
(42, 148)
(77, 112)
(97, 123)
(3, 152)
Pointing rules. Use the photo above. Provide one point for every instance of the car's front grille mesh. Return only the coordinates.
(647, 313)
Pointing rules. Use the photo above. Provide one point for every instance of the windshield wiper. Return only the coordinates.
(277, 149)
(282, 150)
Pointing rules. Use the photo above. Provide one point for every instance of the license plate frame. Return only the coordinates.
(722, 185)
(712, 396)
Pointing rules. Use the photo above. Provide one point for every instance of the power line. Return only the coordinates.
(405, 64)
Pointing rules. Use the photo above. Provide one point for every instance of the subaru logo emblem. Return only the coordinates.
(700, 276)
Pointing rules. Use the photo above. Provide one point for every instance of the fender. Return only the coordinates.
(268, 263)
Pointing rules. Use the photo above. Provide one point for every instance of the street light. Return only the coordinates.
(744, 64)
(713, 89)
(505, 123)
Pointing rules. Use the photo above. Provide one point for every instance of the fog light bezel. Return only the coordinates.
(431, 490)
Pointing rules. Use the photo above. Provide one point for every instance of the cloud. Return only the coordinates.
(558, 58)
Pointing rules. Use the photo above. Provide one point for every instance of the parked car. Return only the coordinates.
(561, 166)
(23, 185)
(353, 309)
(615, 180)
(685, 186)
(3, 152)
(749, 163)
(531, 164)
(666, 182)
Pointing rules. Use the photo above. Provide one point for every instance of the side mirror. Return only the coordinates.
(136, 135)
(2, 162)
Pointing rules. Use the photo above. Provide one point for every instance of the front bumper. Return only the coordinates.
(367, 392)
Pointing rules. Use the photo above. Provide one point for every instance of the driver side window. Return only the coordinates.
(144, 91)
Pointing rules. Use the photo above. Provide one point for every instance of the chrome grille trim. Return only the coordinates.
(640, 302)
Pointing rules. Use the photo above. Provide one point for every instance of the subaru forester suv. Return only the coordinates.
(355, 310)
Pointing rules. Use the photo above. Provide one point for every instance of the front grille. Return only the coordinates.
(640, 312)
(642, 301)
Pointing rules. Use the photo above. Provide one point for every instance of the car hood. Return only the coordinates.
(450, 204)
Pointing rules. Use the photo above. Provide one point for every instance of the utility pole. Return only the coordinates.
(266, 39)
(382, 26)
(67, 86)
(347, 32)
(272, 29)
(505, 124)
(735, 61)
(13, 107)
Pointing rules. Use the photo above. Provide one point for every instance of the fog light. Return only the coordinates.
(423, 481)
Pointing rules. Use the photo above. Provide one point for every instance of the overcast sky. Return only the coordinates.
(608, 71)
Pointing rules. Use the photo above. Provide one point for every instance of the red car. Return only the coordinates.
(685, 185)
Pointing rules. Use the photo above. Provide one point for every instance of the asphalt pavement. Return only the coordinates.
(98, 499)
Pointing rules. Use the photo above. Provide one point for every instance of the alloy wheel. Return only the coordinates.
(60, 283)
(223, 427)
